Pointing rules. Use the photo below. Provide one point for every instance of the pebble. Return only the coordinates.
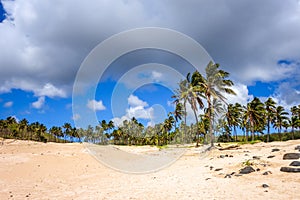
(218, 169)
(267, 173)
(271, 156)
(273, 150)
(256, 157)
(265, 185)
(227, 176)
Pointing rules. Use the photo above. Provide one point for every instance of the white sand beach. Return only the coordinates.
(32, 170)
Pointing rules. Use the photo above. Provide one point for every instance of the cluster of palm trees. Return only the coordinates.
(11, 128)
(201, 93)
(198, 90)
(130, 132)
(257, 117)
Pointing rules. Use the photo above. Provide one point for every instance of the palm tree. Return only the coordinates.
(270, 106)
(179, 112)
(12, 126)
(204, 126)
(280, 116)
(286, 125)
(254, 116)
(213, 87)
(295, 118)
(217, 112)
(56, 132)
(167, 127)
(23, 127)
(110, 125)
(190, 92)
(3, 128)
(230, 118)
(181, 95)
(67, 131)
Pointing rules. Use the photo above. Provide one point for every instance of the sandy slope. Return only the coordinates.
(30, 170)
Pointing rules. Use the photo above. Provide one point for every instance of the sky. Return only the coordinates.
(44, 46)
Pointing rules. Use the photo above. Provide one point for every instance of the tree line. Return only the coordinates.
(205, 93)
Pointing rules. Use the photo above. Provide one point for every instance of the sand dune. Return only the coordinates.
(31, 170)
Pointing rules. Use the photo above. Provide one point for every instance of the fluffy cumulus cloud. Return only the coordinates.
(134, 101)
(39, 103)
(95, 105)
(242, 95)
(41, 49)
(138, 109)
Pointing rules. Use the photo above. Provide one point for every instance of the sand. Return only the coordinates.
(32, 170)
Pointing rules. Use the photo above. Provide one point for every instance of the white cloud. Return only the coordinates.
(118, 121)
(39, 103)
(95, 105)
(140, 112)
(16, 118)
(50, 91)
(242, 94)
(137, 108)
(246, 42)
(8, 104)
(134, 101)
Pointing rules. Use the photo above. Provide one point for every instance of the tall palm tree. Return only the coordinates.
(67, 131)
(189, 91)
(280, 116)
(213, 87)
(181, 96)
(56, 132)
(179, 112)
(230, 118)
(295, 118)
(270, 106)
(254, 116)
(23, 127)
(294, 122)
(110, 125)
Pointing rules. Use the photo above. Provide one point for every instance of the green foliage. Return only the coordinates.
(248, 163)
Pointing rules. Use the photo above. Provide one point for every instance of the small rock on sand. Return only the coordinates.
(295, 163)
(291, 156)
(247, 170)
(273, 150)
(227, 176)
(267, 173)
(290, 169)
(265, 185)
(256, 157)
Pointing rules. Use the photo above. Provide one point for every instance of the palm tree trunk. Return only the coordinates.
(185, 114)
(268, 135)
(235, 133)
(210, 121)
(197, 129)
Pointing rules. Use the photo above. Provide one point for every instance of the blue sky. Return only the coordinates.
(42, 49)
